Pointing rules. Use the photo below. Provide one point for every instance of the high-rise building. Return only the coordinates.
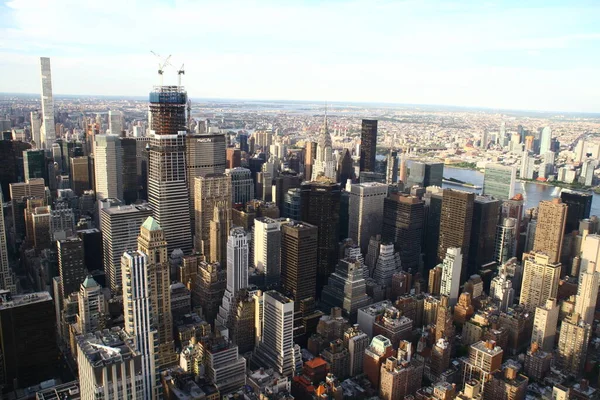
(485, 359)
(579, 207)
(209, 287)
(120, 228)
(400, 377)
(36, 127)
(508, 383)
(34, 165)
(552, 216)
(311, 154)
(324, 162)
(587, 293)
(7, 279)
(368, 145)
(391, 172)
(70, 265)
(540, 280)
(27, 339)
(375, 355)
(486, 212)
(451, 272)
(346, 288)
(211, 190)
(276, 349)
(220, 225)
(544, 325)
(425, 174)
(356, 341)
(345, 167)
(233, 158)
(573, 344)
(139, 281)
(108, 167)
(80, 174)
(167, 181)
(403, 224)
(506, 240)
(455, 224)
(129, 174)
(110, 367)
(267, 248)
(545, 140)
(366, 211)
(320, 207)
(299, 260)
(115, 122)
(92, 306)
(501, 291)
(388, 262)
(499, 181)
(242, 185)
(47, 132)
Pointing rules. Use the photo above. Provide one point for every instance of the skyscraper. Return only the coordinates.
(425, 174)
(36, 127)
(486, 212)
(540, 280)
(506, 237)
(573, 343)
(455, 224)
(346, 288)
(545, 140)
(552, 216)
(299, 260)
(70, 265)
(220, 225)
(499, 181)
(108, 167)
(92, 306)
(579, 207)
(366, 209)
(403, 224)
(267, 248)
(115, 122)
(129, 176)
(451, 272)
(345, 167)
(167, 181)
(34, 165)
(324, 163)
(211, 189)
(391, 172)
(387, 264)
(587, 293)
(80, 174)
(242, 185)
(6, 276)
(310, 154)
(47, 132)
(321, 208)
(368, 145)
(501, 291)
(544, 325)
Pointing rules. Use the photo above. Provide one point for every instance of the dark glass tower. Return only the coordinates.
(580, 206)
(34, 165)
(299, 261)
(368, 145)
(345, 168)
(432, 230)
(486, 212)
(129, 163)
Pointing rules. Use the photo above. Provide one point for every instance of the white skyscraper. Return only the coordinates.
(108, 167)
(544, 325)
(115, 122)
(587, 293)
(267, 248)
(324, 163)
(501, 291)
(506, 234)
(277, 349)
(48, 132)
(527, 166)
(92, 306)
(388, 262)
(451, 269)
(138, 282)
(590, 252)
(545, 140)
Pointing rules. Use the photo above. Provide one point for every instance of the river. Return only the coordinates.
(532, 192)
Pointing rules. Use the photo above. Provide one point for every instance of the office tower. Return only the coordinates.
(444, 327)
(242, 185)
(346, 288)
(285, 182)
(11, 169)
(590, 252)
(552, 216)
(451, 272)
(403, 223)
(27, 339)
(345, 168)
(208, 287)
(7, 281)
(167, 181)
(42, 234)
(31, 188)
(483, 233)
(501, 291)
(508, 383)
(579, 206)
(544, 325)
(115, 122)
(34, 165)
(108, 167)
(375, 355)
(435, 280)
(220, 225)
(320, 207)
(110, 367)
(152, 242)
(400, 377)
(139, 281)
(80, 175)
(47, 132)
(485, 358)
(391, 172)
(545, 140)
(264, 186)
(506, 234)
(540, 280)
(129, 177)
(211, 190)
(368, 145)
(92, 306)
(388, 262)
(455, 224)
(276, 349)
(310, 150)
(337, 358)
(292, 204)
(70, 265)
(142, 146)
(224, 367)
(356, 341)
(62, 222)
(299, 260)
(324, 162)
(499, 181)
(440, 358)
(587, 293)
(205, 155)
(527, 166)
(433, 212)
(572, 344)
(267, 249)
(120, 228)
(237, 272)
(537, 363)
(233, 158)
(36, 126)
(425, 174)
(366, 211)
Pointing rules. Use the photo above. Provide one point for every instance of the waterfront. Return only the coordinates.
(533, 193)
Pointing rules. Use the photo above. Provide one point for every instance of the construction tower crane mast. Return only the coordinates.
(163, 62)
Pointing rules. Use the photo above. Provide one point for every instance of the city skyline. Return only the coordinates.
(427, 53)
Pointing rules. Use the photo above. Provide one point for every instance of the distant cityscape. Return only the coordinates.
(167, 248)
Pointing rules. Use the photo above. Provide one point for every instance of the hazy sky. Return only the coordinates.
(537, 55)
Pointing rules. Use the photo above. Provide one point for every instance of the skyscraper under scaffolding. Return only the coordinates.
(167, 188)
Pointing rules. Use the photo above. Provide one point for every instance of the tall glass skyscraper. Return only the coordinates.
(48, 133)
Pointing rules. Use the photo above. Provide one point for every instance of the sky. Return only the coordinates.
(528, 55)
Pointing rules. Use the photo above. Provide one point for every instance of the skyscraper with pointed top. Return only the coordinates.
(324, 163)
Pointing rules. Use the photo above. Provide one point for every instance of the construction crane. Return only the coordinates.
(162, 63)
(180, 71)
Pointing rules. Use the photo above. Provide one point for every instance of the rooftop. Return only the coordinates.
(107, 347)
(127, 209)
(151, 224)
(7, 301)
